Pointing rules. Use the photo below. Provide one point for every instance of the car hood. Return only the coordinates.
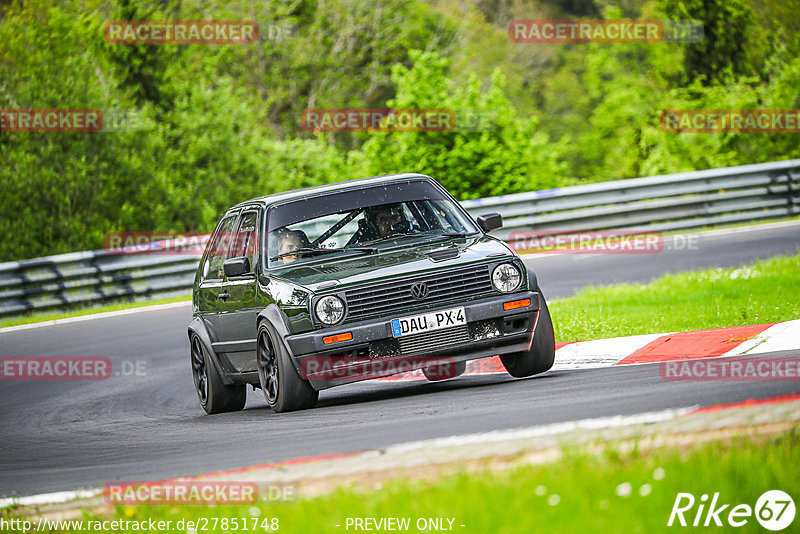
(344, 271)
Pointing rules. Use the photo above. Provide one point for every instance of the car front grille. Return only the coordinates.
(437, 340)
(395, 296)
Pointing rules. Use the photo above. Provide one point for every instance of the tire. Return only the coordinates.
(447, 371)
(543, 348)
(283, 388)
(214, 395)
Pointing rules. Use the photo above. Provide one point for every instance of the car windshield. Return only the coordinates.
(368, 224)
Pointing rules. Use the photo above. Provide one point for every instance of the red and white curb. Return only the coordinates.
(650, 348)
(787, 409)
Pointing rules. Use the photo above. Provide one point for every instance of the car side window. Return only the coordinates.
(217, 250)
(246, 237)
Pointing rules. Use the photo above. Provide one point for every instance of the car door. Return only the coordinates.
(211, 285)
(237, 312)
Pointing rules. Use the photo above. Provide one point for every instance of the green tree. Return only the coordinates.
(722, 50)
(507, 153)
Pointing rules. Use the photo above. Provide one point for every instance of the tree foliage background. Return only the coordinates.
(211, 125)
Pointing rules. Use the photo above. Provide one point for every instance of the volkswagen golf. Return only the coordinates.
(301, 291)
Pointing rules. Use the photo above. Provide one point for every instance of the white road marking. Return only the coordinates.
(750, 228)
(101, 315)
(50, 498)
(782, 336)
(540, 431)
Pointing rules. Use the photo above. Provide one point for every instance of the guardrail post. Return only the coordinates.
(793, 175)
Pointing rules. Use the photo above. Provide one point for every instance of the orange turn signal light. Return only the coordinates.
(514, 304)
(347, 336)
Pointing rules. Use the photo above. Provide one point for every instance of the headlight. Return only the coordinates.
(330, 309)
(506, 277)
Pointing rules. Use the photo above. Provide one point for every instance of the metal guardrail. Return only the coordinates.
(94, 277)
(657, 204)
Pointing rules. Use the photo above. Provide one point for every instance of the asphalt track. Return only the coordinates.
(62, 435)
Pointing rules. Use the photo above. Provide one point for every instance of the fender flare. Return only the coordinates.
(198, 327)
(533, 281)
(276, 320)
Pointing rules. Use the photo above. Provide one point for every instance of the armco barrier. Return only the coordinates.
(87, 278)
(658, 203)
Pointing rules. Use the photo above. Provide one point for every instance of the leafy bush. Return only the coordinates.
(507, 153)
(217, 124)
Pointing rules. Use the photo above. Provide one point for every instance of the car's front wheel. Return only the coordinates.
(215, 396)
(283, 388)
(542, 353)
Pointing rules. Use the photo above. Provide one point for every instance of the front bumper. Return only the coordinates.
(373, 351)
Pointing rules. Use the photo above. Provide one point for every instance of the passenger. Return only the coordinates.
(289, 241)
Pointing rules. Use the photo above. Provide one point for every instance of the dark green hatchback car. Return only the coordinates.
(304, 290)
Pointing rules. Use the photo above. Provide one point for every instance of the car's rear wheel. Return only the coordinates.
(444, 371)
(283, 388)
(542, 354)
(214, 395)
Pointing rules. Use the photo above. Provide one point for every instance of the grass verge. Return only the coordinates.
(611, 492)
(763, 292)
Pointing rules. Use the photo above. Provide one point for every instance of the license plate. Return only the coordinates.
(427, 322)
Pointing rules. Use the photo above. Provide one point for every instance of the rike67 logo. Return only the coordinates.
(774, 510)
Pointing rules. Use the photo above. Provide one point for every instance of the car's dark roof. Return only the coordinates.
(335, 186)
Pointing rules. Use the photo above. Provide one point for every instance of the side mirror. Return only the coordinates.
(490, 221)
(236, 266)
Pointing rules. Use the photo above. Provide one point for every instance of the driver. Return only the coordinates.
(381, 221)
(384, 218)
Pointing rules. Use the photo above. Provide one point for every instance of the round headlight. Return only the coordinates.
(506, 277)
(330, 309)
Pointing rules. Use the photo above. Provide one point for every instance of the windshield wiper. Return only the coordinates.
(455, 234)
(314, 251)
(394, 236)
(432, 237)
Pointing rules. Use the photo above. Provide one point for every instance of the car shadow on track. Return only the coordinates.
(366, 392)
(361, 393)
